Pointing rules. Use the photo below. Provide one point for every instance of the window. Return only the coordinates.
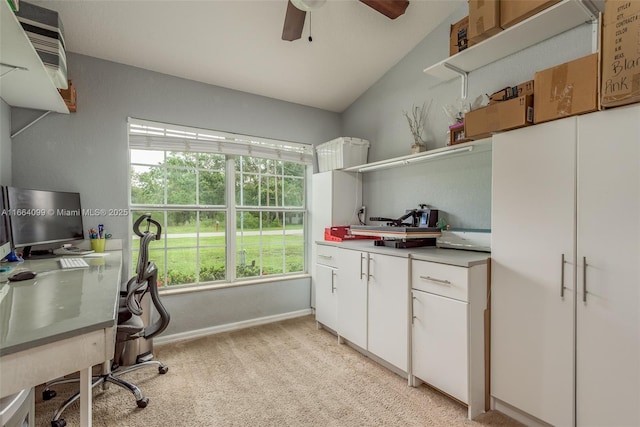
(232, 207)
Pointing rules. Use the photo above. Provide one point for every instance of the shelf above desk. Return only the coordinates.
(439, 153)
(25, 81)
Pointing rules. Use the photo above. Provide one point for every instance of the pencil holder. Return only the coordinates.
(98, 244)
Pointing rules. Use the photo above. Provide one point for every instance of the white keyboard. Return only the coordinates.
(68, 262)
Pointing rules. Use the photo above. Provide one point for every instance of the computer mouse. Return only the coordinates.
(22, 275)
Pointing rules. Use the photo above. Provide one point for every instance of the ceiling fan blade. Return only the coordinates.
(389, 8)
(293, 23)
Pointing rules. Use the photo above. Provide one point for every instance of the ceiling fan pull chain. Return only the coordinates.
(310, 38)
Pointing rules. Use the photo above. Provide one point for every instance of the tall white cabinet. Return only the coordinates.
(336, 197)
(565, 269)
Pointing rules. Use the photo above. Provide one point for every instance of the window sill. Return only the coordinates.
(198, 288)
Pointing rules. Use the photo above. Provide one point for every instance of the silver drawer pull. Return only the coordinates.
(438, 281)
(325, 256)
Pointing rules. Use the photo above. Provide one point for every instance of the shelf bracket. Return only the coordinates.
(13, 68)
(464, 76)
(33, 122)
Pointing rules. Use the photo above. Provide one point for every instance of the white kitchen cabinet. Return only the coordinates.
(388, 312)
(439, 343)
(565, 192)
(369, 294)
(531, 228)
(352, 296)
(326, 297)
(447, 330)
(336, 197)
(608, 238)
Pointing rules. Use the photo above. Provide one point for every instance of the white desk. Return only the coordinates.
(58, 323)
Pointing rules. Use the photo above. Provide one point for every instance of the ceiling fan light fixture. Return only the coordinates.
(308, 5)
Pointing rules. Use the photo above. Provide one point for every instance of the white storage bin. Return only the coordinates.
(342, 153)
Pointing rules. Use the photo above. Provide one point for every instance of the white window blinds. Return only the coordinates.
(147, 135)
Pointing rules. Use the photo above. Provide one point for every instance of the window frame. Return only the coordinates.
(231, 210)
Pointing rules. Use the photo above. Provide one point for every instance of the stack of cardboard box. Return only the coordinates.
(606, 79)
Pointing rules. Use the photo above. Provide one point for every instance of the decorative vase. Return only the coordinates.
(418, 148)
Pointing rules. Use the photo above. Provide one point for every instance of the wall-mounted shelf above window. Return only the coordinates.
(439, 153)
(24, 81)
(550, 22)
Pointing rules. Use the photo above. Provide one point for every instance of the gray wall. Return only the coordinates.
(87, 152)
(461, 187)
(5, 143)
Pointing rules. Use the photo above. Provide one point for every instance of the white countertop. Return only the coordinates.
(461, 258)
(57, 303)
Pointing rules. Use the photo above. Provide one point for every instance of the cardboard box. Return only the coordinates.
(621, 53)
(69, 96)
(511, 114)
(458, 40)
(484, 19)
(514, 11)
(567, 89)
(511, 92)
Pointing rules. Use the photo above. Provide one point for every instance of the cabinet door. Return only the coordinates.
(532, 227)
(388, 308)
(326, 301)
(351, 289)
(608, 322)
(439, 343)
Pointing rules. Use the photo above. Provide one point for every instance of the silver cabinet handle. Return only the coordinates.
(369, 275)
(413, 317)
(333, 286)
(325, 256)
(361, 272)
(584, 279)
(438, 281)
(562, 277)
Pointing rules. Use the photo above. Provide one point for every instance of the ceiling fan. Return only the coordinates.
(297, 10)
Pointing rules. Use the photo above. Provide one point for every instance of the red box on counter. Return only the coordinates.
(341, 233)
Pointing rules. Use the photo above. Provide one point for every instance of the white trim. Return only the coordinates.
(517, 414)
(230, 327)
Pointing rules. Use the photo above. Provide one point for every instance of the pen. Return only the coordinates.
(100, 230)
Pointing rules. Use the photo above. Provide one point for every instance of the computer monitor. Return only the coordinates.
(5, 241)
(42, 217)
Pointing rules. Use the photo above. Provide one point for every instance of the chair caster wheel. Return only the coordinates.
(48, 394)
(142, 403)
(58, 423)
(163, 369)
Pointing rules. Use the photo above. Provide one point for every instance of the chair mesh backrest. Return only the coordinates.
(147, 275)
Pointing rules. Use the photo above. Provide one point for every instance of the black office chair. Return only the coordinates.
(130, 325)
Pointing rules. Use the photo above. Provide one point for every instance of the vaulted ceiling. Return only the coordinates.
(237, 44)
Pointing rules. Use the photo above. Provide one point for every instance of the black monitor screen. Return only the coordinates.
(40, 217)
(5, 243)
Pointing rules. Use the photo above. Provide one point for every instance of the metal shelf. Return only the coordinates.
(439, 153)
(550, 22)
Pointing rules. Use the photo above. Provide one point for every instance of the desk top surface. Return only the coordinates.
(57, 303)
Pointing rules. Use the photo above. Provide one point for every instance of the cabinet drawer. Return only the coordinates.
(326, 255)
(440, 279)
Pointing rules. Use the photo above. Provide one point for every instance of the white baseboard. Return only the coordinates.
(166, 339)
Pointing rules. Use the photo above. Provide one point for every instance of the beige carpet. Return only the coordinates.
(282, 374)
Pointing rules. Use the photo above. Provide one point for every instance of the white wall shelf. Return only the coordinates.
(24, 81)
(550, 22)
(438, 153)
